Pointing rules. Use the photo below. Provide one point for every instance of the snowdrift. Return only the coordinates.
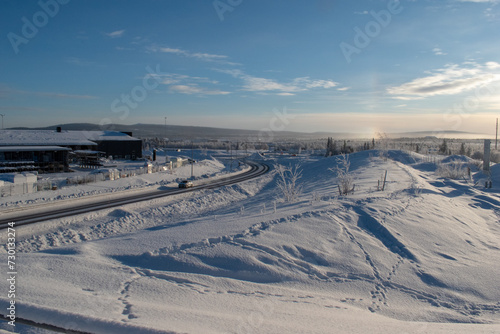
(420, 256)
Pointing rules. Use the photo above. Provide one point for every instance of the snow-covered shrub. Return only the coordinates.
(288, 188)
(344, 177)
(453, 170)
(477, 155)
(316, 197)
(416, 190)
(495, 157)
(476, 164)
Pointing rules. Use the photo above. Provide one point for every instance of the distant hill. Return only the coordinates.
(440, 134)
(192, 132)
(199, 132)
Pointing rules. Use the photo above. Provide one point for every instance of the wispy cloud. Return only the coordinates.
(6, 91)
(189, 85)
(262, 85)
(194, 89)
(453, 79)
(197, 55)
(488, 12)
(185, 84)
(66, 96)
(172, 78)
(439, 52)
(115, 34)
(483, 1)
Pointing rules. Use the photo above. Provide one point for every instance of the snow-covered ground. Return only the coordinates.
(419, 257)
(204, 168)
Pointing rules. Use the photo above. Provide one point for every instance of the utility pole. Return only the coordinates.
(486, 157)
(165, 137)
(496, 137)
(2, 119)
(192, 160)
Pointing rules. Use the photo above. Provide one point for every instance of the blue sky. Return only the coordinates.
(323, 65)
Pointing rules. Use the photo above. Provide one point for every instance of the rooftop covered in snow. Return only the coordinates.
(63, 138)
(32, 148)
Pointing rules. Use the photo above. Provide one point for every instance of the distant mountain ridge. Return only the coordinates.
(189, 132)
(199, 132)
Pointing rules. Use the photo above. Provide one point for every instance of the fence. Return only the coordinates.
(18, 189)
(43, 185)
(115, 174)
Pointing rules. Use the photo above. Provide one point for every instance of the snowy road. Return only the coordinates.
(28, 216)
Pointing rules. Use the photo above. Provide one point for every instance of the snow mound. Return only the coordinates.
(256, 156)
(454, 158)
(420, 256)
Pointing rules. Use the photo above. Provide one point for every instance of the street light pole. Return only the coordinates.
(496, 137)
(165, 129)
(192, 161)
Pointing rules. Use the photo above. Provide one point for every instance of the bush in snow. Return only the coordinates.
(288, 189)
(477, 155)
(477, 164)
(453, 170)
(344, 177)
(495, 156)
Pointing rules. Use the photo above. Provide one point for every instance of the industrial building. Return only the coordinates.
(50, 151)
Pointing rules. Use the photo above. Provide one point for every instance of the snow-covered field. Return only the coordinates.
(422, 256)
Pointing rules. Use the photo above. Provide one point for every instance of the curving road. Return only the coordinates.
(256, 169)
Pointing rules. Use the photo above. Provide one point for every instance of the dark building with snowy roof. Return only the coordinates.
(49, 151)
(120, 145)
(44, 159)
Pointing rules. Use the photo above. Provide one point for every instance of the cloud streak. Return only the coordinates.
(195, 89)
(6, 91)
(439, 52)
(208, 57)
(115, 34)
(481, 1)
(184, 84)
(189, 85)
(451, 80)
(265, 85)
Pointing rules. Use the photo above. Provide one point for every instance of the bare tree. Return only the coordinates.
(287, 183)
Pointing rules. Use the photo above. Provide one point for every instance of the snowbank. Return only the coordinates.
(421, 256)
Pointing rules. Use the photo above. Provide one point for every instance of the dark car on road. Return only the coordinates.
(185, 184)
